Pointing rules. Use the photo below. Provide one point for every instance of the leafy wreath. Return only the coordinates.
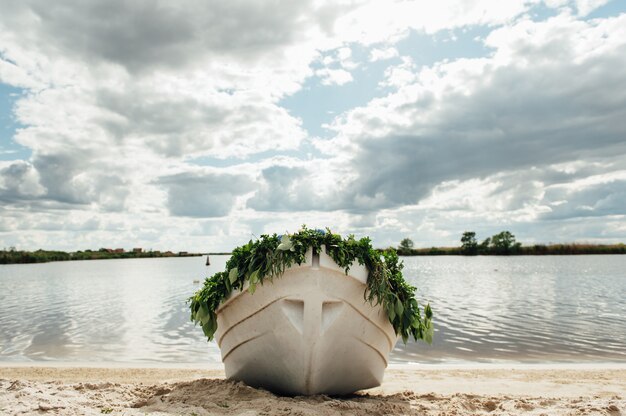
(268, 258)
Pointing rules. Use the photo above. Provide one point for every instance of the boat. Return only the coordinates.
(309, 331)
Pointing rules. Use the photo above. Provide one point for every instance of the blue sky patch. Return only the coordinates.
(9, 149)
(612, 8)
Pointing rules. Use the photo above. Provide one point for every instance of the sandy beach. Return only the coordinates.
(407, 390)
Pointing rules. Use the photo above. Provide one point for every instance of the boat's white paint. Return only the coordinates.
(308, 332)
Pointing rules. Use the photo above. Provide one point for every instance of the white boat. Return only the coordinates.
(309, 331)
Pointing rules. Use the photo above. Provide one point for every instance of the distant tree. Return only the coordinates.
(504, 243)
(469, 245)
(483, 247)
(406, 245)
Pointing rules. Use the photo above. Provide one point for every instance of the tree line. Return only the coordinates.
(13, 256)
(504, 244)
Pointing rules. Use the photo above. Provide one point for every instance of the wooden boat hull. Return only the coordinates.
(308, 332)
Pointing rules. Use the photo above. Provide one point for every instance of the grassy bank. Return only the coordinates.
(533, 250)
(44, 256)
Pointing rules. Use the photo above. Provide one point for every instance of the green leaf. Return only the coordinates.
(254, 277)
(210, 327)
(416, 322)
(399, 307)
(203, 314)
(428, 312)
(285, 243)
(252, 288)
(391, 311)
(429, 333)
(233, 275)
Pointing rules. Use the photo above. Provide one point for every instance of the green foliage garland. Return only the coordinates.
(269, 257)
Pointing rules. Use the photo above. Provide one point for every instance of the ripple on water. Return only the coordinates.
(486, 308)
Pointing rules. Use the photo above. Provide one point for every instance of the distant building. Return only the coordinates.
(118, 250)
(182, 253)
(137, 250)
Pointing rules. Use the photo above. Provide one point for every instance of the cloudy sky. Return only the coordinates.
(197, 125)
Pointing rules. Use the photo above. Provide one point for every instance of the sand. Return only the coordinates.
(407, 390)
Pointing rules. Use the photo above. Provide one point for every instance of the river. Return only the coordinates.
(523, 309)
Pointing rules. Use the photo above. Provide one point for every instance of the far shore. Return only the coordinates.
(13, 256)
(523, 250)
(47, 256)
(411, 389)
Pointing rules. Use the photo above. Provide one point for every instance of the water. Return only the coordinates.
(103, 310)
(521, 309)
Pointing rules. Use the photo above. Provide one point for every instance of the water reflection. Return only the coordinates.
(109, 310)
(521, 308)
(486, 309)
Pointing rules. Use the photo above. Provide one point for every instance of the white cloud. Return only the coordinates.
(378, 54)
(384, 21)
(400, 75)
(344, 54)
(545, 98)
(19, 180)
(123, 98)
(333, 76)
(116, 102)
(337, 65)
(204, 194)
(555, 4)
